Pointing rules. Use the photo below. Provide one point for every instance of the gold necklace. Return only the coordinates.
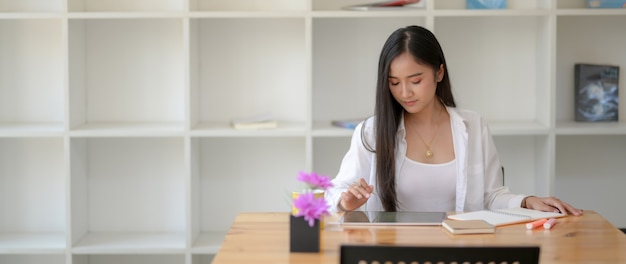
(429, 153)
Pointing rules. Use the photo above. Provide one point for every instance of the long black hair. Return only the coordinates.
(425, 49)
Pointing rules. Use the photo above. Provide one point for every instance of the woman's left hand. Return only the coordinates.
(551, 204)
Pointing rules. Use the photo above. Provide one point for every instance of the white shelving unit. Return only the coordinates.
(115, 144)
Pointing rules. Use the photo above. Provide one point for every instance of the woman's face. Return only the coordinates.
(412, 84)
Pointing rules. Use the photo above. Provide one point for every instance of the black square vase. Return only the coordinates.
(302, 237)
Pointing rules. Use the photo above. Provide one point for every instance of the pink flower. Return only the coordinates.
(310, 207)
(315, 181)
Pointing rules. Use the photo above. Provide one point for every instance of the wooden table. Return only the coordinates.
(264, 238)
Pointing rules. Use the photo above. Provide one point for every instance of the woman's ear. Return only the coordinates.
(440, 73)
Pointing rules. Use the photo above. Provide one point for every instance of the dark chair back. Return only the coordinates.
(383, 254)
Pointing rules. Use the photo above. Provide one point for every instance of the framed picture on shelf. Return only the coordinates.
(596, 92)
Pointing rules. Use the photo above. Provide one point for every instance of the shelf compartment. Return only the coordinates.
(28, 6)
(202, 259)
(497, 69)
(32, 198)
(574, 47)
(268, 59)
(33, 259)
(156, 258)
(526, 162)
(249, 5)
(127, 195)
(124, 5)
(126, 71)
(31, 73)
(352, 45)
(328, 152)
(262, 172)
(592, 165)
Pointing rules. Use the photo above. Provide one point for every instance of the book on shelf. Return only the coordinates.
(485, 4)
(347, 123)
(263, 121)
(458, 227)
(596, 92)
(388, 5)
(606, 3)
(505, 216)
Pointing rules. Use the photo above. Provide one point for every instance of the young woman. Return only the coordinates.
(419, 152)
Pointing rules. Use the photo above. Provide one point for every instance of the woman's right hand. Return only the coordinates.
(356, 195)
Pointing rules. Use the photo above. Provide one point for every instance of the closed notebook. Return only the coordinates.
(506, 216)
(468, 227)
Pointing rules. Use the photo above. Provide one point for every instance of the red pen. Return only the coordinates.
(549, 224)
(535, 224)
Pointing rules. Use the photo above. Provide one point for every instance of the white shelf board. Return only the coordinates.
(128, 242)
(591, 128)
(115, 129)
(40, 243)
(31, 129)
(32, 15)
(224, 129)
(208, 243)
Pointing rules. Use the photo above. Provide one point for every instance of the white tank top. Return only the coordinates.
(426, 187)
